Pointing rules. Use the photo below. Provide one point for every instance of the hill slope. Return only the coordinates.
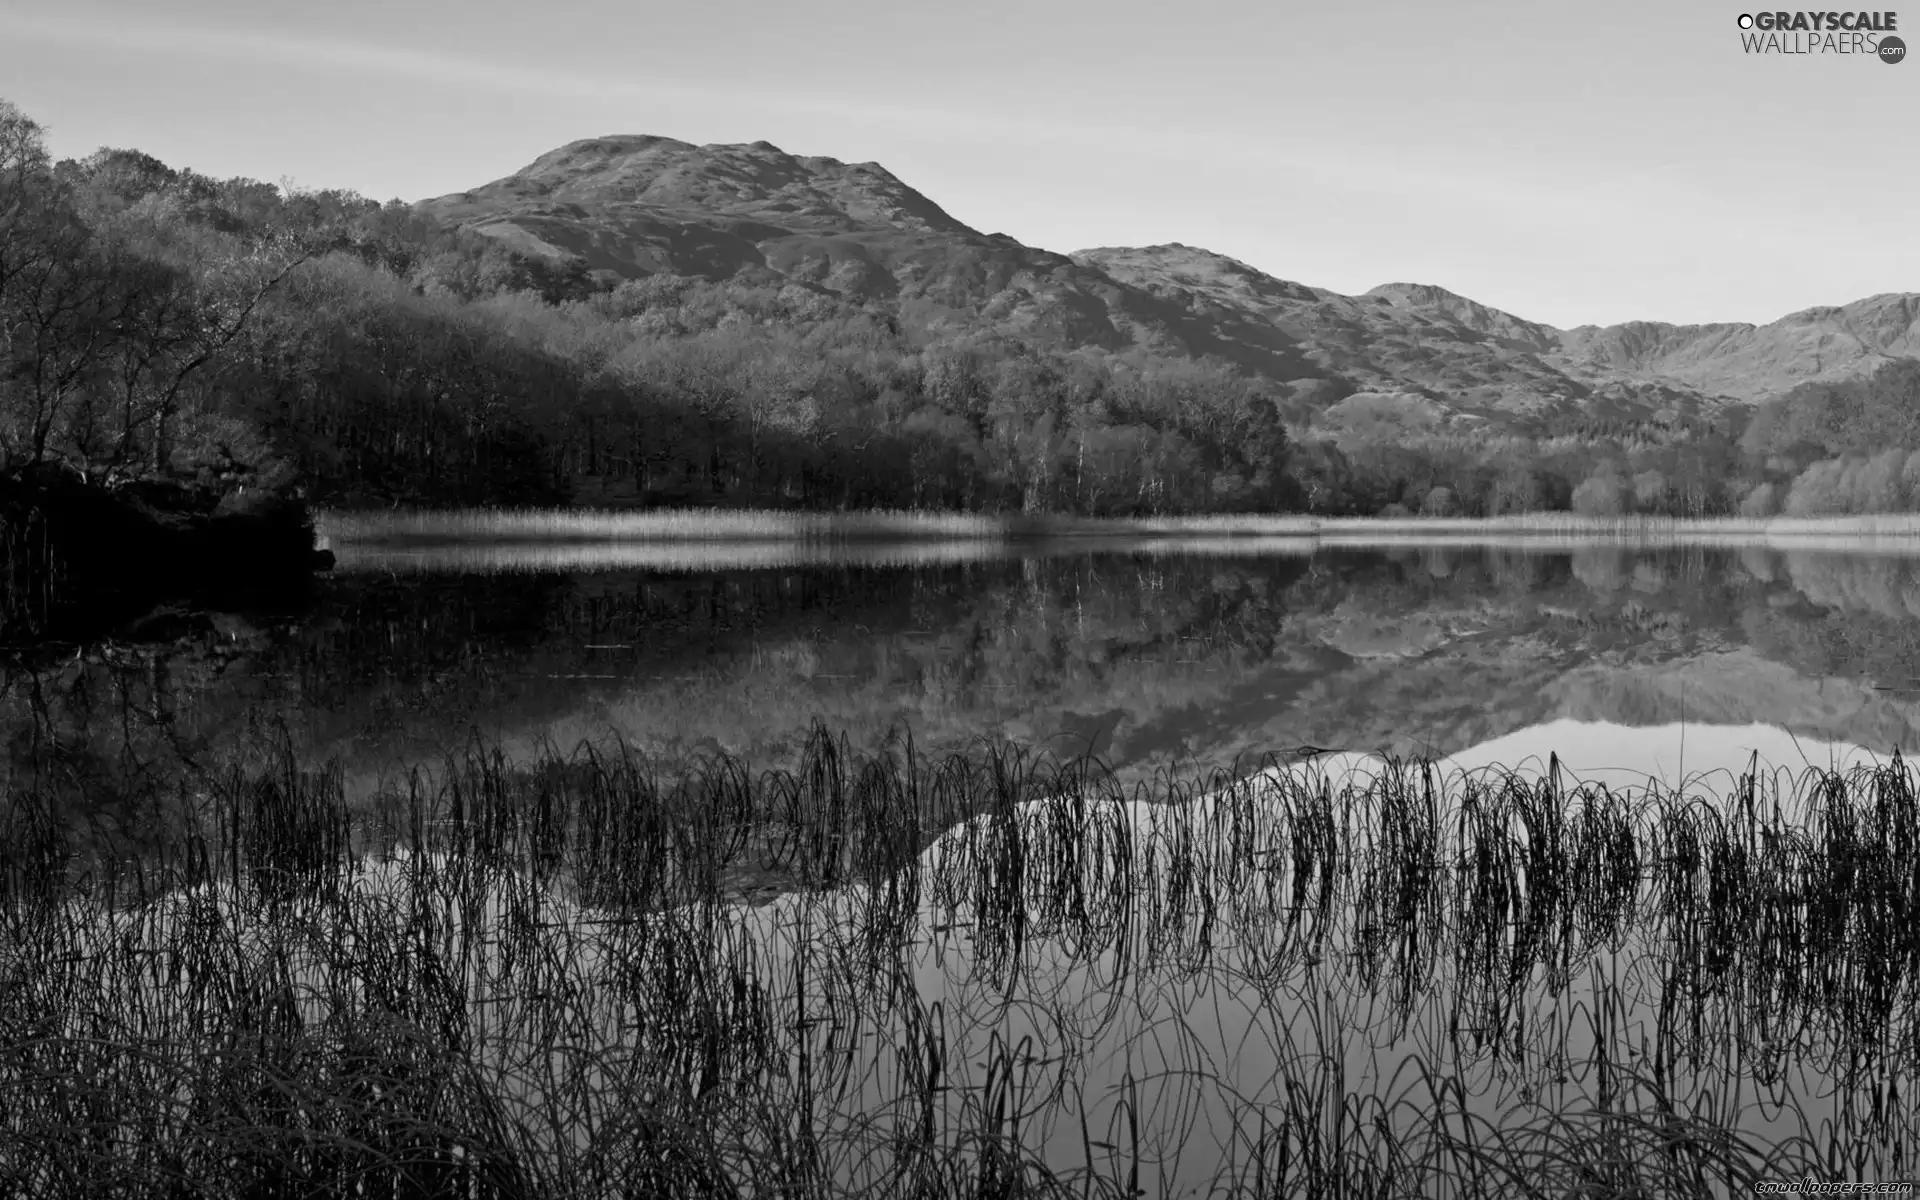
(633, 206)
(1753, 361)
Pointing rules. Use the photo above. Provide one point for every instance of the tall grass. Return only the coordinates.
(1885, 524)
(491, 557)
(437, 527)
(657, 525)
(989, 975)
(496, 557)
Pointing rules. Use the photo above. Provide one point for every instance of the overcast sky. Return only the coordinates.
(1572, 163)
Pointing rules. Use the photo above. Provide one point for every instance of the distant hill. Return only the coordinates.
(632, 206)
(1755, 361)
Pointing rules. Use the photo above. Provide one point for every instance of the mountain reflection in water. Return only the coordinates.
(1209, 652)
(1145, 657)
(1157, 988)
(1167, 988)
(1674, 756)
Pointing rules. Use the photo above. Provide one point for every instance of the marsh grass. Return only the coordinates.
(651, 525)
(591, 975)
(1884, 525)
(414, 527)
(576, 557)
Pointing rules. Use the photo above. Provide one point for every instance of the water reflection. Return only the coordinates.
(1145, 656)
(1159, 967)
(1678, 755)
(1303, 976)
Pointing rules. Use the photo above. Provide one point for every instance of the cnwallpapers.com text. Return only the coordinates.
(1867, 34)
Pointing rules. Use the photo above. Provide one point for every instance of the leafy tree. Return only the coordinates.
(1855, 416)
(1649, 491)
(1602, 494)
(1818, 491)
(1762, 501)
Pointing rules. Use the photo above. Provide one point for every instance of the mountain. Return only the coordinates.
(1410, 340)
(631, 206)
(1504, 328)
(1828, 343)
(635, 206)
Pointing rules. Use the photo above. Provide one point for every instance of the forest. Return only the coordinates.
(243, 340)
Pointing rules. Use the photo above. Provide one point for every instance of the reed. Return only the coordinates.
(651, 525)
(995, 973)
(563, 536)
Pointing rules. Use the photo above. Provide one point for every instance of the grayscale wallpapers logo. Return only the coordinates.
(1867, 34)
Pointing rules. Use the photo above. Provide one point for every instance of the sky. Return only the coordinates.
(1570, 163)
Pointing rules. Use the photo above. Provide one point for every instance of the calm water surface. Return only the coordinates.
(1675, 663)
(1145, 659)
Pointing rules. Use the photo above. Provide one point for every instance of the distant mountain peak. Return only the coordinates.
(755, 181)
(1420, 293)
(1826, 342)
(601, 147)
(628, 206)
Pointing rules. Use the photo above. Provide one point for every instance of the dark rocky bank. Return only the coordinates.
(80, 561)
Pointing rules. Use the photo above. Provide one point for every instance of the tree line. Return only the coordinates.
(243, 338)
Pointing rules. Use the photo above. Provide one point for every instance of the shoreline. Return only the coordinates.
(78, 560)
(427, 528)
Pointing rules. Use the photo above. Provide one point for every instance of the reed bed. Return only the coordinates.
(573, 557)
(1879, 525)
(366, 532)
(493, 557)
(644, 525)
(578, 558)
(346, 527)
(997, 974)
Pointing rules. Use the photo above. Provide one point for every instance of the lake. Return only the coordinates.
(1165, 995)
(1148, 658)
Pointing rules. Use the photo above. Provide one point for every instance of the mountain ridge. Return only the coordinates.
(634, 205)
